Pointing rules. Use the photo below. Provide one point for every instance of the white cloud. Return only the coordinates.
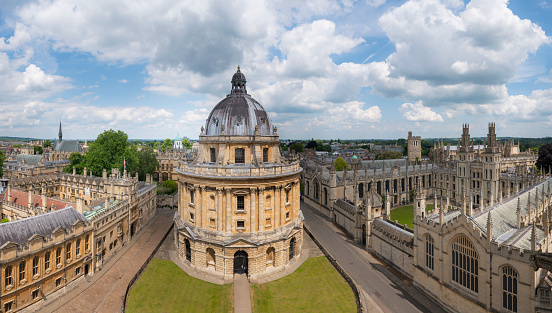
(443, 57)
(123, 81)
(417, 112)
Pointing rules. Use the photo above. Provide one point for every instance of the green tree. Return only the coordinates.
(389, 155)
(47, 143)
(1, 164)
(38, 150)
(75, 160)
(4, 220)
(545, 157)
(311, 145)
(321, 147)
(298, 147)
(340, 164)
(187, 143)
(110, 150)
(172, 186)
(147, 162)
(167, 144)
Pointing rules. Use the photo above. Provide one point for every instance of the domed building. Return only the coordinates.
(239, 207)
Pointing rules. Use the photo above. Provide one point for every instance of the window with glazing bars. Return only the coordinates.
(241, 203)
(509, 288)
(465, 263)
(213, 155)
(240, 155)
(429, 251)
(265, 154)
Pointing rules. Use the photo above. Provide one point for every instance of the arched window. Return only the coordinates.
(8, 276)
(68, 251)
(35, 265)
(509, 288)
(361, 191)
(58, 256)
(86, 240)
(292, 248)
(270, 256)
(210, 257)
(22, 270)
(465, 263)
(326, 196)
(429, 251)
(316, 187)
(47, 261)
(191, 196)
(77, 247)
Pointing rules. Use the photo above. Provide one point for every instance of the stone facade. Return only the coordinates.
(239, 199)
(414, 147)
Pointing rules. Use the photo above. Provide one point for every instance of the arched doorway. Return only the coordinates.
(240, 262)
(292, 248)
(188, 250)
(132, 229)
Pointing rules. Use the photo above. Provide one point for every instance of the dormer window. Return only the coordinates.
(239, 156)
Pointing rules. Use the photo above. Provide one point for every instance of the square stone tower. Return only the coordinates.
(414, 147)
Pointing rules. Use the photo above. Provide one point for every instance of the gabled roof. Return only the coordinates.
(22, 198)
(21, 231)
(67, 146)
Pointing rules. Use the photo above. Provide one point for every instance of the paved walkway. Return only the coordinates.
(384, 289)
(105, 290)
(242, 296)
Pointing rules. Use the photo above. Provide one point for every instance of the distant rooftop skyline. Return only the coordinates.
(321, 69)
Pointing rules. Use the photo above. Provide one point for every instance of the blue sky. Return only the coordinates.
(322, 69)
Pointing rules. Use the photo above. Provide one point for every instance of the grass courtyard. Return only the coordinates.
(164, 287)
(314, 287)
(405, 214)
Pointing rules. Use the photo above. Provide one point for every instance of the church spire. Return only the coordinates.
(60, 134)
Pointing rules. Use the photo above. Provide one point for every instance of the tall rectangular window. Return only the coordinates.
(240, 156)
(213, 155)
(241, 202)
(265, 155)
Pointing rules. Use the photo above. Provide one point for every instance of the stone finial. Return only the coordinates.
(533, 238)
(275, 130)
(529, 205)
(256, 130)
(202, 129)
(441, 216)
(222, 129)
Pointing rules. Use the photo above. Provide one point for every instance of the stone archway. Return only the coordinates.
(240, 262)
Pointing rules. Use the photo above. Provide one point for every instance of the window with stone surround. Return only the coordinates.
(78, 246)
(213, 155)
(58, 256)
(22, 270)
(239, 157)
(429, 251)
(47, 261)
(240, 224)
(265, 155)
(270, 256)
(465, 263)
(8, 281)
(240, 203)
(68, 251)
(509, 288)
(35, 265)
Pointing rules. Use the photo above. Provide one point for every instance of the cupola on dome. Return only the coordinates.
(238, 114)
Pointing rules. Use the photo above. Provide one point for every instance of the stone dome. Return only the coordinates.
(238, 113)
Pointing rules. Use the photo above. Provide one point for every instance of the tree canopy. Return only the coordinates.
(75, 160)
(187, 143)
(47, 143)
(340, 164)
(38, 150)
(109, 151)
(311, 145)
(147, 162)
(167, 144)
(388, 155)
(545, 157)
(298, 147)
(172, 186)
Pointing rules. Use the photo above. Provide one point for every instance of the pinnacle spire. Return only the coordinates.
(60, 135)
(489, 227)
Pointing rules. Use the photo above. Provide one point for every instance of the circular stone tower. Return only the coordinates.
(239, 208)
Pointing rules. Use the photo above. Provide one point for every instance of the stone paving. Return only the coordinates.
(105, 290)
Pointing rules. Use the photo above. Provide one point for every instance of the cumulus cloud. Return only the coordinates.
(417, 112)
(123, 81)
(441, 54)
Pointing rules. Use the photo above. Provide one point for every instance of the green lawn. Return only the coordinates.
(405, 214)
(314, 287)
(164, 287)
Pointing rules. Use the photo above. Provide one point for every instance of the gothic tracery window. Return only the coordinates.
(465, 263)
(509, 288)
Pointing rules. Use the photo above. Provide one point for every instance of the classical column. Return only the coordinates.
(261, 209)
(219, 209)
(283, 205)
(200, 205)
(277, 206)
(252, 221)
(228, 216)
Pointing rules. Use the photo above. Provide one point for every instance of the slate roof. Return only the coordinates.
(21, 230)
(29, 159)
(346, 206)
(67, 146)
